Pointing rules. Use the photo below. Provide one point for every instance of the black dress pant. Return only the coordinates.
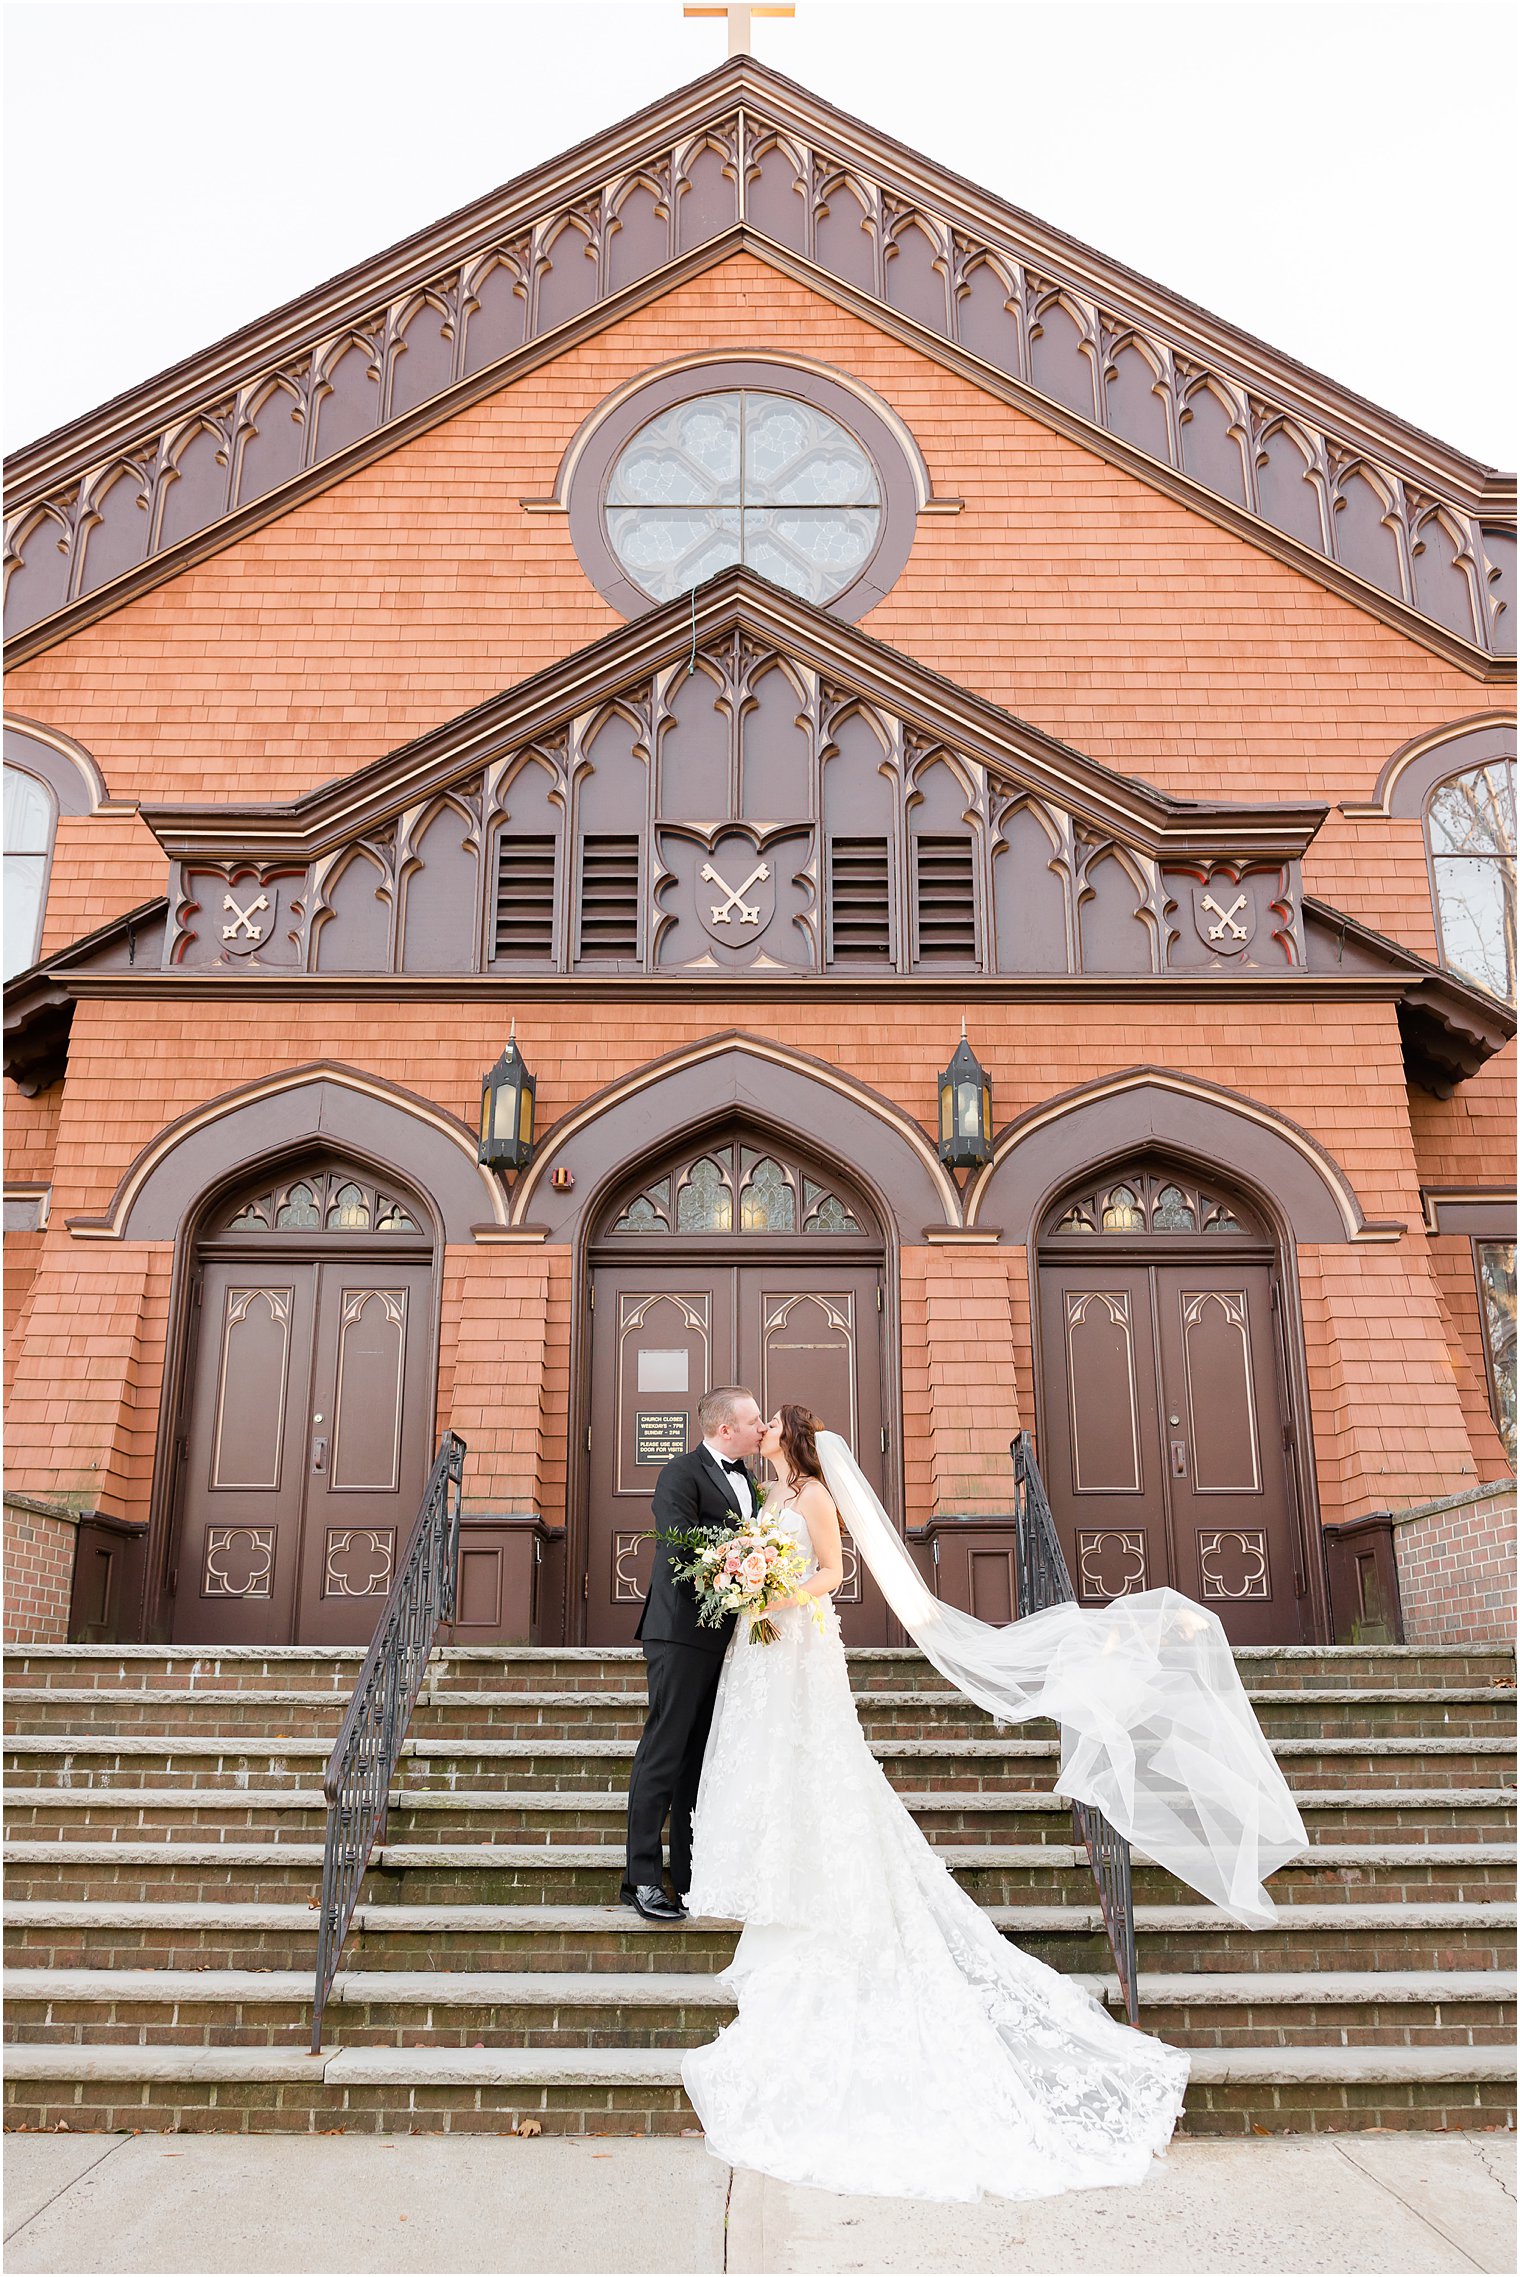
(667, 1767)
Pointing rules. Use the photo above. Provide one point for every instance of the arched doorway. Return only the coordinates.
(736, 1259)
(1166, 1437)
(306, 1419)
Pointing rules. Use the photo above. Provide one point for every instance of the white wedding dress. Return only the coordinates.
(889, 2041)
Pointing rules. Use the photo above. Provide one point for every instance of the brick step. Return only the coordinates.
(118, 1933)
(998, 1763)
(254, 1668)
(539, 1874)
(421, 1814)
(170, 1711)
(506, 2008)
(637, 2090)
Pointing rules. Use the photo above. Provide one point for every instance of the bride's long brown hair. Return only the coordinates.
(799, 1446)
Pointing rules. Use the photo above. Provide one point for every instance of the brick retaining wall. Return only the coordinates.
(39, 1574)
(1457, 1567)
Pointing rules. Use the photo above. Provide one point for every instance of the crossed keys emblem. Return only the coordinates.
(1225, 930)
(243, 919)
(1226, 917)
(722, 911)
(241, 936)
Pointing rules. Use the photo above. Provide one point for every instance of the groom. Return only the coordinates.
(709, 1486)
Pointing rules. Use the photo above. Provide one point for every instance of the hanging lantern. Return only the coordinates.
(506, 1111)
(965, 1110)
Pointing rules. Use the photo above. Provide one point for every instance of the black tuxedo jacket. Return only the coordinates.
(690, 1492)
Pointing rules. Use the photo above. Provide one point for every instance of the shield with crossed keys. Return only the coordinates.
(245, 916)
(736, 892)
(1224, 916)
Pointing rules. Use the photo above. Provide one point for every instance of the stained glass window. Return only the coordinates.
(334, 1201)
(1470, 824)
(705, 1203)
(1148, 1202)
(768, 1186)
(768, 1204)
(749, 477)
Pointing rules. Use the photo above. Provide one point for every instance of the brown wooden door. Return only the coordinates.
(1162, 1437)
(661, 1334)
(812, 1334)
(368, 1445)
(307, 1447)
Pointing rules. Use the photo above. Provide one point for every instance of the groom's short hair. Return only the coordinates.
(715, 1408)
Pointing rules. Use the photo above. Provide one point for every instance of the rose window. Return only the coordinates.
(743, 477)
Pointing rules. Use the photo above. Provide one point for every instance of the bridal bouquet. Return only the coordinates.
(748, 1571)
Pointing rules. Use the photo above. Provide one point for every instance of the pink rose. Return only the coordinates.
(753, 1567)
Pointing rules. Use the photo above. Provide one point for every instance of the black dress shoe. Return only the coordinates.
(650, 1900)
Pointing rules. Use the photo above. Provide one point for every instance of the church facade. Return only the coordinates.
(722, 621)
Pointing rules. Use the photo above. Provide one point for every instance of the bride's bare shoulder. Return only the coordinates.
(815, 1498)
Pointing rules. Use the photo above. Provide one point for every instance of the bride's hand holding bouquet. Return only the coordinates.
(753, 1571)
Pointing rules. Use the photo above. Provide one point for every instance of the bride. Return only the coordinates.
(889, 2041)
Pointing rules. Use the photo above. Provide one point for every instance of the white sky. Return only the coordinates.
(1329, 174)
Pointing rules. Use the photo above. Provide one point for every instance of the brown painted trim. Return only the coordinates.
(227, 1111)
(726, 96)
(1487, 1212)
(781, 102)
(65, 765)
(1173, 482)
(204, 544)
(737, 600)
(740, 1058)
(1291, 985)
(1430, 739)
(1255, 1145)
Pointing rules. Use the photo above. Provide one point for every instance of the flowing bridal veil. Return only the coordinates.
(1156, 1730)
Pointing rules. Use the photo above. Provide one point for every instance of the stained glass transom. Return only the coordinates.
(1149, 1203)
(743, 476)
(325, 1201)
(774, 1195)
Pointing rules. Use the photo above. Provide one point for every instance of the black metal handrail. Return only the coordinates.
(357, 1782)
(1044, 1580)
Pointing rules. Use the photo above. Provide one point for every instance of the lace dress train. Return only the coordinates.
(889, 2041)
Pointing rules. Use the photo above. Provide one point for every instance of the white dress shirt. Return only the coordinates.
(738, 1480)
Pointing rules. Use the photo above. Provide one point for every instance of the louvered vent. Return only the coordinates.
(860, 923)
(525, 899)
(944, 900)
(609, 895)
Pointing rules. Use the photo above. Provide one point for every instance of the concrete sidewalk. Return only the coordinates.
(1353, 2204)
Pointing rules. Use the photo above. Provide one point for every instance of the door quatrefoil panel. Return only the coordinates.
(1110, 1564)
(359, 1562)
(239, 1561)
(1233, 1563)
(628, 1551)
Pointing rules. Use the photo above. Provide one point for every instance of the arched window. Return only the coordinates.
(809, 481)
(31, 816)
(1470, 833)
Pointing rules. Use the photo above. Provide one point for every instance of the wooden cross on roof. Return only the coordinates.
(739, 20)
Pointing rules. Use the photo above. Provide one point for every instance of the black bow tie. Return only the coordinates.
(732, 1466)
